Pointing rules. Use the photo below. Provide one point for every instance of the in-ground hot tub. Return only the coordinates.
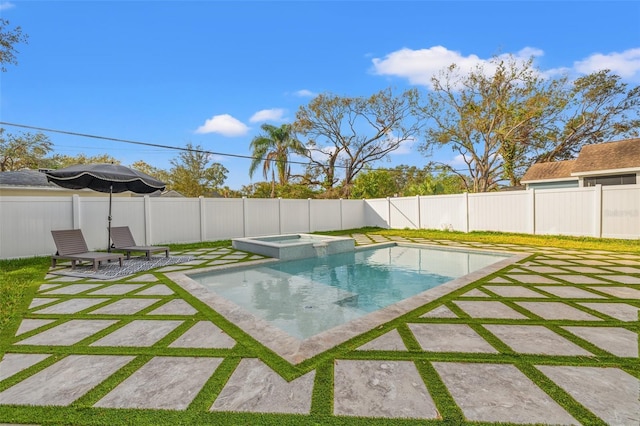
(294, 246)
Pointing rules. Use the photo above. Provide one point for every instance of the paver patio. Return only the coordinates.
(552, 339)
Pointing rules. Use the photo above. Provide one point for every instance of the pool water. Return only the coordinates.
(307, 296)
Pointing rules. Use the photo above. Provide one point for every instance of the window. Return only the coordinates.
(610, 180)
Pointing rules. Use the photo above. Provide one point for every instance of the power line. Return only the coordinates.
(170, 147)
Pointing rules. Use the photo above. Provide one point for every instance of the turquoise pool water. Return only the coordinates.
(307, 296)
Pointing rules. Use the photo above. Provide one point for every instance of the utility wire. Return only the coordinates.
(155, 145)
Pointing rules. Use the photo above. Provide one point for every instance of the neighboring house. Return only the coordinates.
(611, 163)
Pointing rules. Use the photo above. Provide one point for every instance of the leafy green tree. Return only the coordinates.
(290, 190)
(439, 184)
(193, 176)
(23, 151)
(9, 37)
(374, 184)
(160, 174)
(272, 149)
(346, 134)
(59, 161)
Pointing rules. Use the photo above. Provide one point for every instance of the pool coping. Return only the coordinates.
(295, 350)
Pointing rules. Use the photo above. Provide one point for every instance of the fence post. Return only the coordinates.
(75, 211)
(341, 222)
(419, 218)
(280, 215)
(244, 216)
(597, 231)
(388, 213)
(203, 222)
(532, 211)
(309, 212)
(146, 211)
(466, 212)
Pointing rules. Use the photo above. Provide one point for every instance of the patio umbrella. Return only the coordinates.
(107, 178)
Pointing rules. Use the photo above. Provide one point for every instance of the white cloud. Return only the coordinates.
(625, 64)
(419, 66)
(304, 93)
(457, 161)
(274, 114)
(405, 147)
(225, 125)
(6, 5)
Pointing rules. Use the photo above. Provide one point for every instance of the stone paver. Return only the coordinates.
(622, 292)
(482, 309)
(388, 389)
(175, 307)
(124, 307)
(65, 381)
(557, 310)
(168, 383)
(138, 333)
(569, 292)
(543, 269)
(586, 269)
(624, 269)
(619, 341)
(610, 393)
(68, 333)
(450, 338)
(39, 301)
(70, 306)
(535, 339)
(116, 289)
(156, 290)
(499, 393)
(579, 279)
(31, 324)
(620, 311)
(475, 293)
(204, 334)
(14, 363)
(254, 387)
(532, 279)
(440, 312)
(146, 278)
(513, 291)
(390, 341)
(623, 279)
(72, 289)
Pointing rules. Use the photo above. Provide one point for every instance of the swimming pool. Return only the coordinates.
(308, 296)
(343, 321)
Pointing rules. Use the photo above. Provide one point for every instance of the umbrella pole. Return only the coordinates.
(109, 220)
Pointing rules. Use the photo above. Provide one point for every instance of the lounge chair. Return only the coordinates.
(123, 241)
(71, 245)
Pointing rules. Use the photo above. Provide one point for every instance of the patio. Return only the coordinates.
(552, 339)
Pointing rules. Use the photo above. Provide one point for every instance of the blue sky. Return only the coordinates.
(210, 73)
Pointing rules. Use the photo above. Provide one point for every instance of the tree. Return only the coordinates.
(8, 39)
(374, 184)
(191, 174)
(599, 108)
(272, 149)
(488, 118)
(59, 161)
(160, 174)
(352, 132)
(23, 151)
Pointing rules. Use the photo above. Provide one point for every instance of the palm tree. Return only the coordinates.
(274, 146)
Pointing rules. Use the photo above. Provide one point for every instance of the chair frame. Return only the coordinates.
(71, 245)
(123, 241)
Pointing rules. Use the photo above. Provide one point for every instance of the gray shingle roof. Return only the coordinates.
(25, 178)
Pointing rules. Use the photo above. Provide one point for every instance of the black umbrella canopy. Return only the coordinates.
(105, 178)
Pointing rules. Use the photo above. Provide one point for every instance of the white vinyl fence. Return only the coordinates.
(26, 222)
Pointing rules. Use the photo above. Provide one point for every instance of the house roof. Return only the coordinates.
(593, 159)
(553, 170)
(31, 178)
(609, 156)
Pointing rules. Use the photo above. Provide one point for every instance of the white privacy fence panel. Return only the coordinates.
(377, 213)
(262, 216)
(353, 214)
(444, 212)
(294, 216)
(404, 212)
(501, 211)
(621, 211)
(223, 218)
(26, 224)
(325, 215)
(174, 219)
(571, 211)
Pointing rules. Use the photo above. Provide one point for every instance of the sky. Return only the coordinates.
(210, 73)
